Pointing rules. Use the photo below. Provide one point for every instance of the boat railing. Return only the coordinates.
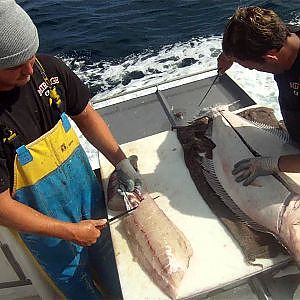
(99, 102)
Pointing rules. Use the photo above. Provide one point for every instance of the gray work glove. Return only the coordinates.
(248, 169)
(128, 176)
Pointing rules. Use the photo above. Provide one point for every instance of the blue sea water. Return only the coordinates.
(119, 45)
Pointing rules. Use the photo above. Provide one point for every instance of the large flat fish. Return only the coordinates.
(261, 204)
(159, 246)
(267, 141)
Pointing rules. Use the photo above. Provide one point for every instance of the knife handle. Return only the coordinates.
(100, 227)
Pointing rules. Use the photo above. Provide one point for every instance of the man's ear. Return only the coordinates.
(271, 55)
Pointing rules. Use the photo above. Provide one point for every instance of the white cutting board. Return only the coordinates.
(217, 258)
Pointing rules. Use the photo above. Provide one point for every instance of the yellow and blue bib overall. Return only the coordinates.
(53, 175)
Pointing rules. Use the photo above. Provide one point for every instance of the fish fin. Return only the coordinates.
(280, 133)
(214, 183)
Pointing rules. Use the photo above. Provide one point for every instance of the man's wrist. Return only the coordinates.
(123, 163)
(63, 230)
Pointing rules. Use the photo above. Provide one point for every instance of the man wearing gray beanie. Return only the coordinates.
(19, 39)
(48, 191)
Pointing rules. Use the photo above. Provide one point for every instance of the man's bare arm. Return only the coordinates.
(21, 217)
(289, 163)
(95, 129)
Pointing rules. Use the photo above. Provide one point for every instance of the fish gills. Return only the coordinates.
(160, 247)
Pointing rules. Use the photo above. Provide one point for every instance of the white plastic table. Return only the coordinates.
(217, 259)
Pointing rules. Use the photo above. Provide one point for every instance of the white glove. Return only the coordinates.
(248, 169)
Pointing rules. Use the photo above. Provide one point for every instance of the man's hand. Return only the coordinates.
(248, 169)
(86, 232)
(128, 176)
(224, 63)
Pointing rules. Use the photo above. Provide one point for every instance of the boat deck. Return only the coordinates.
(164, 107)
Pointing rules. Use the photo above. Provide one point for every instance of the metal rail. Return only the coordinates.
(16, 267)
(153, 85)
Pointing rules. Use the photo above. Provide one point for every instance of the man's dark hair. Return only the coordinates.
(253, 31)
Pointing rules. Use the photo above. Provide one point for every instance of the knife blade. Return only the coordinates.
(121, 214)
(116, 217)
(203, 98)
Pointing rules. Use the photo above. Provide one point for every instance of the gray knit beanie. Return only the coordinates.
(19, 39)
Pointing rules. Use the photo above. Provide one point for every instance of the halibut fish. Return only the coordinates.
(270, 203)
(160, 247)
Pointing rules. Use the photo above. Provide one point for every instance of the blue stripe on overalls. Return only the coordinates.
(69, 193)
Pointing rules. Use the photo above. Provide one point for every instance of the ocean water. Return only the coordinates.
(116, 46)
(119, 45)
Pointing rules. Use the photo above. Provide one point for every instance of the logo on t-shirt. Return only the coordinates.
(43, 87)
(294, 86)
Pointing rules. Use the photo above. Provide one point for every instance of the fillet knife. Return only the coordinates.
(121, 214)
(124, 213)
(116, 217)
(217, 76)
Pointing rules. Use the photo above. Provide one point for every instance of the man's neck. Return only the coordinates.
(292, 49)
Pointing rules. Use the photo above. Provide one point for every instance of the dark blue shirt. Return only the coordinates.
(288, 84)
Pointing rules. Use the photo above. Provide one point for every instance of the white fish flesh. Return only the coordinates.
(159, 246)
(260, 204)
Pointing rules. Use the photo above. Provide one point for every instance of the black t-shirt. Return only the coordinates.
(288, 84)
(26, 110)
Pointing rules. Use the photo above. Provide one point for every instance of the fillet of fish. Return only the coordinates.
(161, 248)
(260, 204)
(158, 245)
